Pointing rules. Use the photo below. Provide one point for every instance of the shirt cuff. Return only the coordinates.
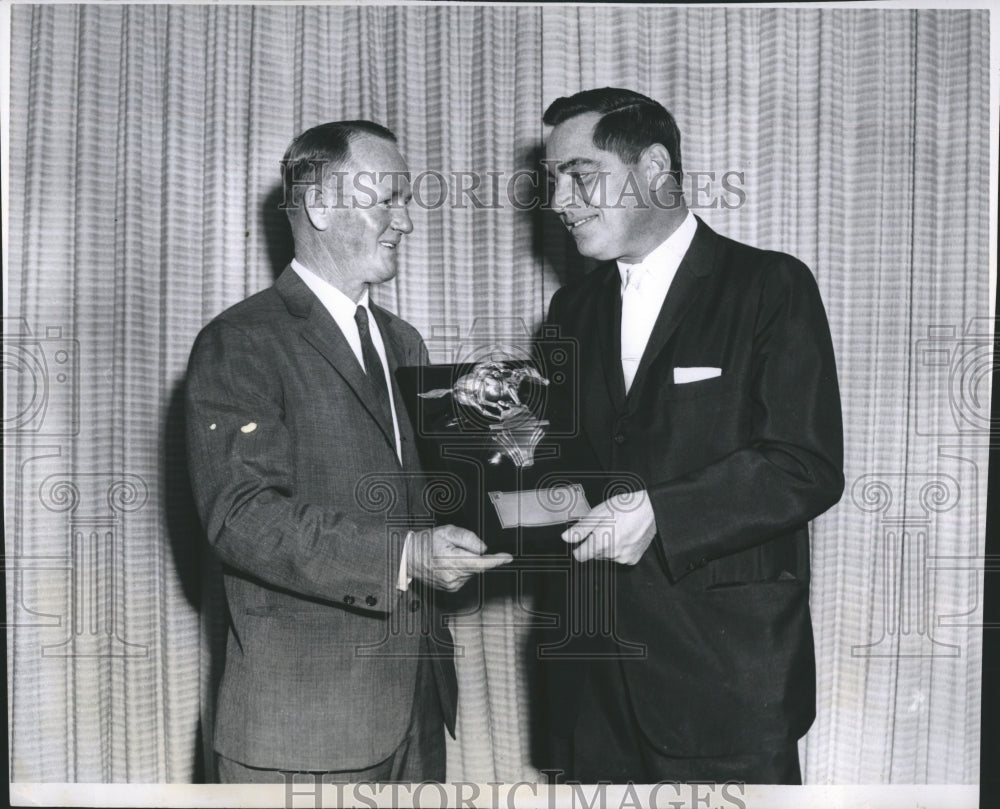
(403, 580)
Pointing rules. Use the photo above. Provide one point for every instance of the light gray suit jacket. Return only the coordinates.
(304, 500)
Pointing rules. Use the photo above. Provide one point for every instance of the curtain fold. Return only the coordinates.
(144, 150)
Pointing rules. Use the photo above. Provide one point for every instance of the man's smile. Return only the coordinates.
(575, 225)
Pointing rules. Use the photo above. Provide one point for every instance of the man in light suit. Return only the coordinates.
(304, 472)
(707, 373)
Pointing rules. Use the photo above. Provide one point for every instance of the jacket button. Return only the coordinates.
(702, 562)
(414, 606)
(371, 601)
(690, 566)
(619, 438)
(348, 600)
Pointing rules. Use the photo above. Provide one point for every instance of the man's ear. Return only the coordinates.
(317, 207)
(656, 164)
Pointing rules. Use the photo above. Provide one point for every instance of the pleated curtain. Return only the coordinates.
(143, 191)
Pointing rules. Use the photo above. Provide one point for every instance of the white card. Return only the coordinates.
(535, 507)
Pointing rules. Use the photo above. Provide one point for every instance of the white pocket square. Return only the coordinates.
(684, 375)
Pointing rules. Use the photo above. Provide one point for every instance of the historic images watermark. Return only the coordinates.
(522, 189)
(311, 791)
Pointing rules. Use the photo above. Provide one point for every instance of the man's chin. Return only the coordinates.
(589, 245)
(388, 271)
(591, 251)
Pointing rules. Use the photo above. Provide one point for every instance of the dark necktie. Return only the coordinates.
(373, 365)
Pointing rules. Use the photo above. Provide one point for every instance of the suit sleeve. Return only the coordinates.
(791, 469)
(241, 467)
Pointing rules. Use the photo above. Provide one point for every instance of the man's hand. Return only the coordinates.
(618, 530)
(446, 557)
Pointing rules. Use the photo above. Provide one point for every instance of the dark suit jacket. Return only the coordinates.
(282, 430)
(736, 466)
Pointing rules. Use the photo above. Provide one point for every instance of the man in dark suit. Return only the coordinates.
(706, 372)
(305, 476)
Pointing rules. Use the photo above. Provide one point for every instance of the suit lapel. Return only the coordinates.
(698, 262)
(322, 332)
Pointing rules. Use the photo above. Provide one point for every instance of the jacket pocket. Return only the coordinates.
(783, 578)
(716, 386)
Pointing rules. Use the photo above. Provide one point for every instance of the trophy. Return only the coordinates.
(490, 389)
(484, 423)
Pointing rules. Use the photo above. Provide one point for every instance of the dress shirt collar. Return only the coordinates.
(336, 302)
(666, 257)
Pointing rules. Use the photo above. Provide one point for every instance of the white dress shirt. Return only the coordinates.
(342, 309)
(644, 288)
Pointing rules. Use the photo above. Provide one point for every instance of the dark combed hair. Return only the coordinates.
(629, 123)
(328, 143)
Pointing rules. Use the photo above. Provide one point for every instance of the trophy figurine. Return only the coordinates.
(490, 391)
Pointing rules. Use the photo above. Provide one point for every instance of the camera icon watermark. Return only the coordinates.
(954, 371)
(508, 339)
(41, 376)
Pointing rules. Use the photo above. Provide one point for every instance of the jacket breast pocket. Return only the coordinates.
(716, 386)
(687, 426)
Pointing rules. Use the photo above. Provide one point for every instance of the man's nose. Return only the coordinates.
(401, 220)
(562, 194)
